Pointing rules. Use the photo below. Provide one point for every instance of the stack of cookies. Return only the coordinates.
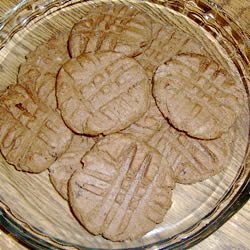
(119, 110)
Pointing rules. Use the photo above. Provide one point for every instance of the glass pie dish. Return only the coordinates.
(30, 208)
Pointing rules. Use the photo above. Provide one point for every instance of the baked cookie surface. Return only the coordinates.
(117, 28)
(191, 159)
(149, 124)
(127, 186)
(102, 93)
(166, 42)
(39, 71)
(62, 169)
(32, 135)
(197, 95)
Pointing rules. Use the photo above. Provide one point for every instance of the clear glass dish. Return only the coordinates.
(32, 211)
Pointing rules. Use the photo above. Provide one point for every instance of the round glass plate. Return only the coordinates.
(30, 208)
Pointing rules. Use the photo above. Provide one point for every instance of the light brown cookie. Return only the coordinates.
(117, 28)
(148, 125)
(127, 186)
(167, 41)
(192, 160)
(197, 95)
(32, 135)
(39, 71)
(61, 170)
(102, 93)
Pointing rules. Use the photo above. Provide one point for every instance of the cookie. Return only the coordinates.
(117, 28)
(61, 170)
(102, 93)
(167, 41)
(148, 124)
(197, 96)
(127, 186)
(192, 160)
(32, 135)
(39, 71)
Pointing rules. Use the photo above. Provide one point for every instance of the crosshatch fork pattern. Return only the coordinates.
(191, 159)
(32, 135)
(102, 93)
(167, 41)
(133, 186)
(116, 28)
(39, 71)
(193, 92)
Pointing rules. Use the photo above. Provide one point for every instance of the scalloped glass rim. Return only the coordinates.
(26, 237)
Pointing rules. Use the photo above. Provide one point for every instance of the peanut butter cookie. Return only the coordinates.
(102, 93)
(117, 28)
(197, 95)
(39, 71)
(68, 163)
(124, 189)
(32, 135)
